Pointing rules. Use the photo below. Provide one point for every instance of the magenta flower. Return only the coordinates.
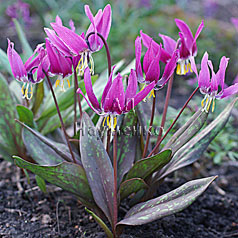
(212, 84)
(114, 100)
(59, 64)
(151, 67)
(71, 44)
(186, 44)
(24, 72)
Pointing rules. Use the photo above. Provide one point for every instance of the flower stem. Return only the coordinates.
(60, 117)
(175, 120)
(150, 127)
(115, 183)
(168, 94)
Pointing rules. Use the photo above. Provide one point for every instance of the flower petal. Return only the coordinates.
(138, 60)
(194, 49)
(220, 75)
(75, 42)
(89, 89)
(169, 43)
(183, 50)
(204, 75)
(227, 92)
(139, 97)
(132, 86)
(153, 72)
(18, 69)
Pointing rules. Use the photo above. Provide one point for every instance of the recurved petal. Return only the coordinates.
(89, 89)
(147, 41)
(18, 69)
(169, 69)
(200, 27)
(107, 87)
(183, 49)
(139, 97)
(227, 92)
(148, 58)
(138, 58)
(204, 75)
(132, 86)
(169, 43)
(183, 27)
(58, 20)
(115, 99)
(75, 42)
(44, 65)
(220, 75)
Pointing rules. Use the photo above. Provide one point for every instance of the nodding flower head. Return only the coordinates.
(24, 72)
(213, 84)
(114, 100)
(186, 44)
(154, 54)
(72, 44)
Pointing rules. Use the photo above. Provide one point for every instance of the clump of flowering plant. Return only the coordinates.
(106, 168)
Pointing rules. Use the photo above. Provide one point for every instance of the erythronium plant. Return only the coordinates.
(101, 174)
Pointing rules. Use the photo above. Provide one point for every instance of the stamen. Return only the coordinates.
(115, 122)
(103, 123)
(152, 93)
(108, 122)
(209, 104)
(57, 83)
(68, 83)
(178, 71)
(189, 67)
(213, 105)
(62, 85)
(22, 90)
(92, 64)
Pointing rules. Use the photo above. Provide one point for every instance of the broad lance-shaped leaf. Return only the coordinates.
(131, 186)
(4, 62)
(38, 97)
(10, 131)
(147, 166)
(167, 204)
(192, 150)
(68, 176)
(98, 167)
(187, 131)
(43, 150)
(126, 145)
(25, 115)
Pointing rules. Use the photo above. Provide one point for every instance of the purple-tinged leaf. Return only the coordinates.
(126, 145)
(98, 167)
(193, 149)
(68, 176)
(167, 204)
(145, 167)
(131, 186)
(43, 150)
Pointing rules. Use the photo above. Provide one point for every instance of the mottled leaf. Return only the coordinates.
(25, 115)
(10, 131)
(131, 186)
(41, 183)
(101, 223)
(98, 167)
(147, 166)
(167, 204)
(22, 37)
(193, 149)
(126, 145)
(68, 176)
(44, 150)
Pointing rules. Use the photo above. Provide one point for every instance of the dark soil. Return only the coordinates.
(30, 213)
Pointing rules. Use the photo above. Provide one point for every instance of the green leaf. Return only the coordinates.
(41, 183)
(44, 150)
(194, 148)
(25, 115)
(126, 145)
(187, 131)
(68, 176)
(38, 98)
(101, 223)
(98, 167)
(131, 186)
(5, 62)
(167, 204)
(145, 167)
(22, 37)
(10, 131)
